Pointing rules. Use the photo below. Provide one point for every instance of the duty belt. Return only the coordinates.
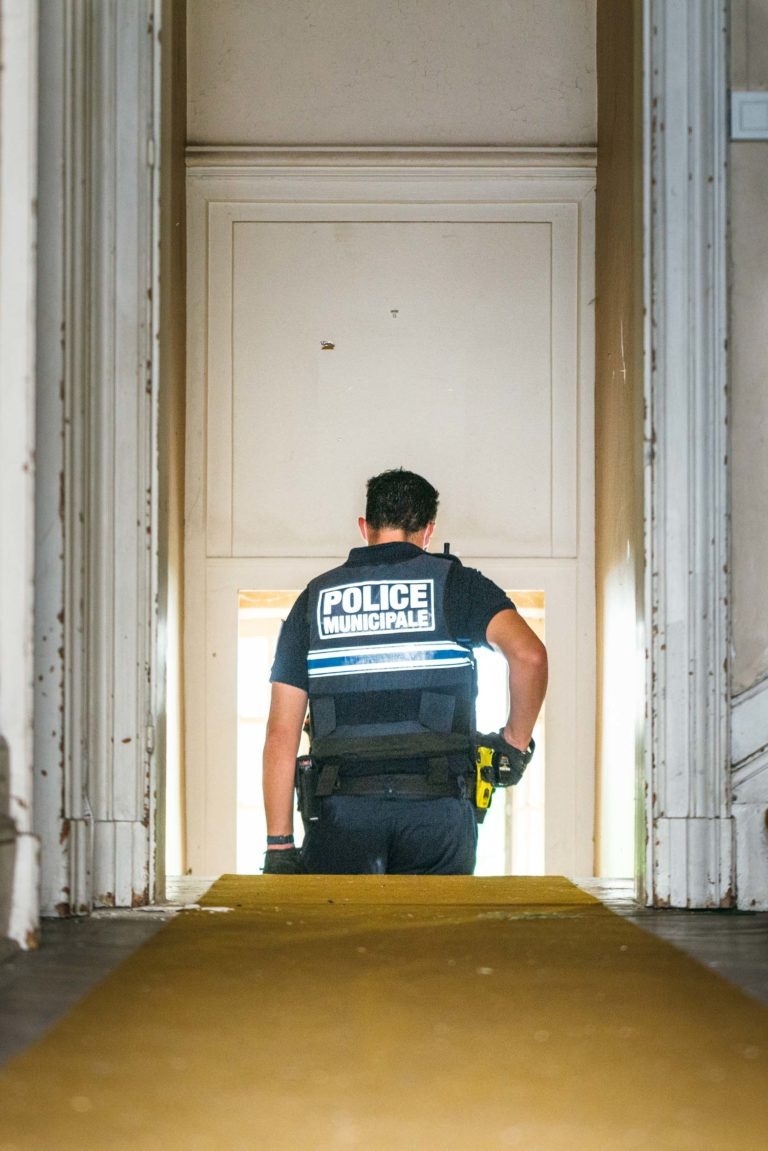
(435, 785)
(497, 764)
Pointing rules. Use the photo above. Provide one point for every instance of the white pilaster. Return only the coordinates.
(18, 172)
(51, 618)
(100, 179)
(690, 831)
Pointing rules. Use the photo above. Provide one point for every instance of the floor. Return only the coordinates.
(733, 943)
(37, 988)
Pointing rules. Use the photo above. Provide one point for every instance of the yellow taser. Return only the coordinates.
(483, 786)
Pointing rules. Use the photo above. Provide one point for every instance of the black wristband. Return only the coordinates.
(274, 840)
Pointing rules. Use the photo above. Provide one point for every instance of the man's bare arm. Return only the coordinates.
(287, 710)
(526, 659)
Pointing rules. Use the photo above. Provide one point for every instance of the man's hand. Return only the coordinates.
(509, 762)
(283, 861)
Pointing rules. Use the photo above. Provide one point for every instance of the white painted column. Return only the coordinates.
(120, 478)
(59, 158)
(18, 174)
(690, 830)
(98, 501)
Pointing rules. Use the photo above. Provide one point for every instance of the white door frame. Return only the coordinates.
(97, 537)
(690, 829)
(19, 846)
(224, 186)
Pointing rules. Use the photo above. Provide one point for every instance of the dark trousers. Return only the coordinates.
(369, 835)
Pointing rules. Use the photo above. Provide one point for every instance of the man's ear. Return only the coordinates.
(363, 525)
(428, 534)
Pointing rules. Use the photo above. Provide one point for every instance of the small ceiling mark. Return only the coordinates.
(327, 346)
(394, 312)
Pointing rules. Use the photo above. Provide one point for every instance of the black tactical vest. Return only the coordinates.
(387, 680)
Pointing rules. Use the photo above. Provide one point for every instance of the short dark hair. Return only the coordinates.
(400, 499)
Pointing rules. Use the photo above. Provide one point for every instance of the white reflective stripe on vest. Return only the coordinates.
(387, 657)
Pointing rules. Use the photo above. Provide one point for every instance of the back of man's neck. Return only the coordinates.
(393, 536)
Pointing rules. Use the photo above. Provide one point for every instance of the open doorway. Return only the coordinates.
(322, 300)
(512, 836)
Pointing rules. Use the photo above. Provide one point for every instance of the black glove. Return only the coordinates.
(286, 861)
(509, 762)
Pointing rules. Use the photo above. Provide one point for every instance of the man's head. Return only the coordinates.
(399, 505)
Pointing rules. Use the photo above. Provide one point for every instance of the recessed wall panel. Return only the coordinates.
(358, 346)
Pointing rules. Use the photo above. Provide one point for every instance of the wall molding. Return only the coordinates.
(690, 859)
(749, 724)
(249, 156)
(749, 744)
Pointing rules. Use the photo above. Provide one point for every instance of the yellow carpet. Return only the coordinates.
(404, 1013)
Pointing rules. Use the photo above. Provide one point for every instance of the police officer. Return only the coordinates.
(380, 648)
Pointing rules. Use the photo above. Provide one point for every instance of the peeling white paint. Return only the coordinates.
(18, 165)
(690, 858)
(97, 575)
